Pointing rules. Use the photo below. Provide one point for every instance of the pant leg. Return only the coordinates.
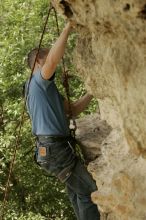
(59, 156)
(73, 199)
(82, 184)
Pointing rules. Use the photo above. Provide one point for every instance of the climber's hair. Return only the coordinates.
(32, 55)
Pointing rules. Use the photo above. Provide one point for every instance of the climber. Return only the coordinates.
(48, 112)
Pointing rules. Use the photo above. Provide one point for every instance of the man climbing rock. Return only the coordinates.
(48, 111)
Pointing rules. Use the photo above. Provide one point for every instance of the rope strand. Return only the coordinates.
(66, 83)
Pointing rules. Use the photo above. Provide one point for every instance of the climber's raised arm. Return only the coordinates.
(78, 106)
(56, 53)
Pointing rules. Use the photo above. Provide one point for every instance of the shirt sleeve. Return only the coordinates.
(41, 81)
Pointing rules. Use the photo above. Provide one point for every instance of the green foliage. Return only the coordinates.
(33, 194)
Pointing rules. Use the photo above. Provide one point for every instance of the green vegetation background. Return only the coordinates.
(33, 194)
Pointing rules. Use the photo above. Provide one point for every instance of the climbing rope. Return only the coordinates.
(19, 126)
(65, 77)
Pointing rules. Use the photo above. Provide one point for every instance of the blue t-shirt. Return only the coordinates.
(45, 107)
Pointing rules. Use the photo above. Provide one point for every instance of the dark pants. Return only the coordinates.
(60, 159)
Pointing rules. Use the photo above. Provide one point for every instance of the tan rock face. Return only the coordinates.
(110, 56)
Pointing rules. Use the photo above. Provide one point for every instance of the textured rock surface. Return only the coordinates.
(111, 59)
(91, 132)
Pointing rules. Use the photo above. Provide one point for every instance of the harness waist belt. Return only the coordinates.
(53, 138)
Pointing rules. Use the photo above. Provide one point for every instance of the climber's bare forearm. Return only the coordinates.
(78, 106)
(56, 53)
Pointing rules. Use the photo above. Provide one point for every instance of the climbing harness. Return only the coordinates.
(19, 126)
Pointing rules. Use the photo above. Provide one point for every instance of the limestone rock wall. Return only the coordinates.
(110, 56)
